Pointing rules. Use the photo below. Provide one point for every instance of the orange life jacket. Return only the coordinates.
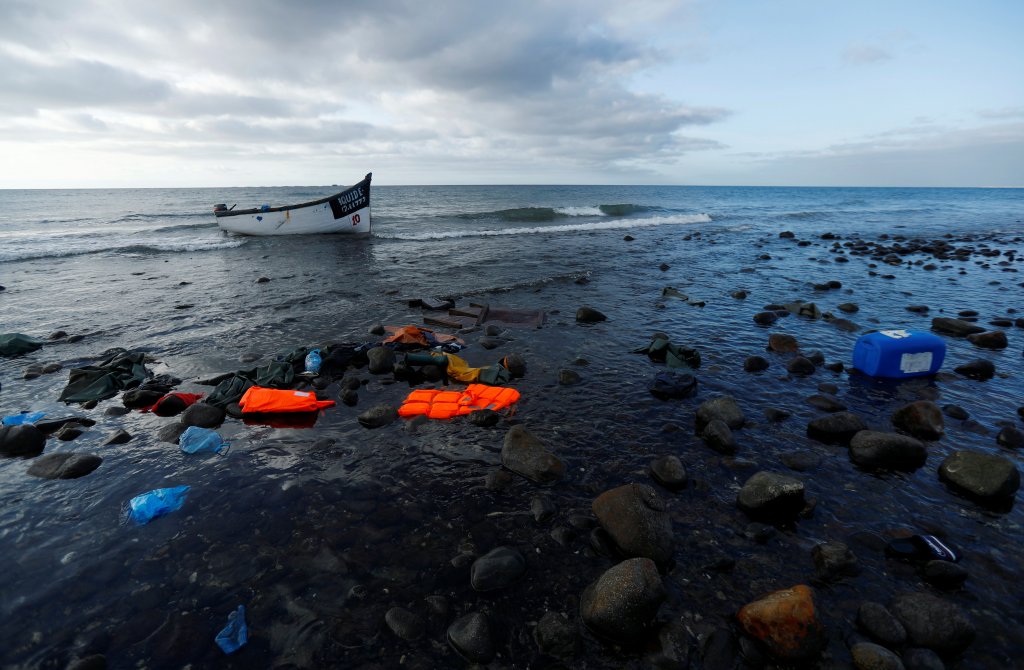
(437, 404)
(259, 400)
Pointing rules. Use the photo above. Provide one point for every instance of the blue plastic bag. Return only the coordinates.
(145, 507)
(195, 440)
(235, 634)
(313, 361)
(23, 418)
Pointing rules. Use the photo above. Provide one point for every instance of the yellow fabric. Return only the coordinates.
(460, 370)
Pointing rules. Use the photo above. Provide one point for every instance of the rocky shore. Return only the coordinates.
(685, 521)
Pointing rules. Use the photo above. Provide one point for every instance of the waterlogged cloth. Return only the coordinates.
(16, 344)
(145, 507)
(23, 418)
(119, 371)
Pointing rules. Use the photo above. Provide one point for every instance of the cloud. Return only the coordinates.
(480, 81)
(865, 54)
(1002, 113)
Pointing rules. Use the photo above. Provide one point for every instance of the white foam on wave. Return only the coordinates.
(614, 224)
(579, 211)
(129, 246)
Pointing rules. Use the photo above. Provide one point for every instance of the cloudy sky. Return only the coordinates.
(112, 93)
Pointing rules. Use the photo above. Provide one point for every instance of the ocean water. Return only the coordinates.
(320, 531)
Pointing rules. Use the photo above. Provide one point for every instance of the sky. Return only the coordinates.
(195, 93)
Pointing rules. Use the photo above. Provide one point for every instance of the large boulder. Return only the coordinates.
(724, 409)
(786, 623)
(623, 601)
(933, 623)
(526, 455)
(771, 496)
(719, 437)
(837, 428)
(878, 622)
(980, 475)
(922, 419)
(874, 449)
(202, 415)
(21, 440)
(377, 416)
(64, 465)
(637, 520)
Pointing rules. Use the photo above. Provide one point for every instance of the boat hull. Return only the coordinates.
(347, 212)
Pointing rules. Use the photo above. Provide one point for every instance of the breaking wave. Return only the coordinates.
(594, 226)
(540, 214)
(136, 249)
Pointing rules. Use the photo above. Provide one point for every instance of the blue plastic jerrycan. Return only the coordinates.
(898, 354)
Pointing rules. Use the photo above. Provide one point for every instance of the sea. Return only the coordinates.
(321, 531)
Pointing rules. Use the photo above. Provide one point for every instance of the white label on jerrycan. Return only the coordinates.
(895, 334)
(911, 363)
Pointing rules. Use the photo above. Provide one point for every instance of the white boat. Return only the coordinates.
(345, 212)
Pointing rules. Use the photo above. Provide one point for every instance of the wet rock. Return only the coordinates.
(955, 327)
(69, 431)
(497, 569)
(542, 508)
(668, 471)
(739, 295)
(755, 364)
(624, 600)
(787, 234)
(801, 461)
(515, 363)
(879, 623)
(556, 636)
(525, 455)
(470, 637)
(498, 480)
(139, 398)
(765, 318)
(849, 308)
(870, 656)
(981, 475)
(202, 415)
(589, 315)
(116, 410)
(825, 403)
(484, 418)
(922, 419)
(800, 366)
(979, 369)
(380, 360)
(834, 560)
(377, 329)
(673, 650)
(933, 623)
(781, 343)
(918, 309)
(724, 409)
(720, 650)
(377, 416)
(771, 496)
(944, 574)
(404, 623)
(670, 384)
(874, 449)
(171, 432)
(23, 440)
(838, 428)
(786, 623)
(64, 465)
(568, 377)
(119, 437)
(664, 267)
(995, 339)
(718, 436)
(637, 520)
(52, 427)
(57, 334)
(349, 398)
(844, 325)
(836, 367)
(1010, 437)
(917, 658)
(775, 415)
(263, 280)
(955, 412)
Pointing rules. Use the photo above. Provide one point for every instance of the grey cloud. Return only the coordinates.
(865, 54)
(1002, 113)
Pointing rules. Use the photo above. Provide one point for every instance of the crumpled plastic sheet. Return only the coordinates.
(234, 635)
(145, 507)
(196, 440)
(23, 418)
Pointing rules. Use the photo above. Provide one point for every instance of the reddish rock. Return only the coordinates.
(786, 623)
(782, 343)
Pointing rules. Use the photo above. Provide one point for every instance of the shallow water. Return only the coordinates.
(320, 531)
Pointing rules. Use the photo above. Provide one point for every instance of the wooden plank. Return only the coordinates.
(442, 322)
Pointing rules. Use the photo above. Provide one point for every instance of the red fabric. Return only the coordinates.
(187, 398)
